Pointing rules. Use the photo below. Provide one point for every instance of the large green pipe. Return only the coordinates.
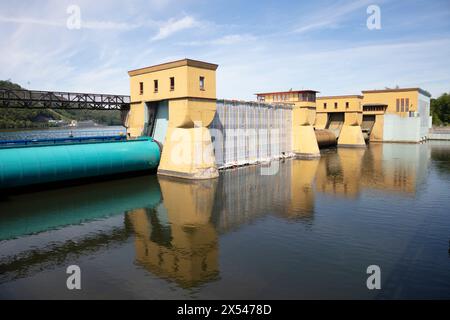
(31, 165)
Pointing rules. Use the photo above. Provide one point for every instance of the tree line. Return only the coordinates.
(440, 110)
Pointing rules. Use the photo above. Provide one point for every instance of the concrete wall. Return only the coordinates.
(424, 114)
(439, 136)
(401, 129)
(351, 103)
(249, 132)
(187, 81)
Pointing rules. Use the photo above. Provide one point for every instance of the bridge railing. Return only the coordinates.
(12, 98)
(62, 133)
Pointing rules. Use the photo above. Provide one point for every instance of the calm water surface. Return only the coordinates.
(310, 231)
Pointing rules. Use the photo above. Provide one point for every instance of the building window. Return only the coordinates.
(335, 105)
(403, 105)
(141, 88)
(155, 85)
(398, 105)
(172, 83)
(347, 105)
(261, 98)
(407, 104)
(324, 105)
(202, 83)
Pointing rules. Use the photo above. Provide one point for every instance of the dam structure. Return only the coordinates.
(176, 126)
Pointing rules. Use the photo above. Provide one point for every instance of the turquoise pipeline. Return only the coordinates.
(24, 165)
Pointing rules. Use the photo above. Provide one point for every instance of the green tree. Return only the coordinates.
(440, 110)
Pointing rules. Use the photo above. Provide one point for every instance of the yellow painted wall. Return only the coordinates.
(321, 120)
(186, 112)
(188, 150)
(354, 104)
(287, 97)
(353, 118)
(187, 84)
(135, 120)
(390, 98)
(377, 130)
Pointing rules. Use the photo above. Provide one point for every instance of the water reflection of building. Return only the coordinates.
(386, 167)
(339, 172)
(302, 198)
(245, 194)
(177, 240)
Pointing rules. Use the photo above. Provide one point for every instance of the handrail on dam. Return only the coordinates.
(50, 141)
(31, 99)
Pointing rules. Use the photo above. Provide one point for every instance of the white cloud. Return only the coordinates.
(27, 20)
(173, 26)
(230, 39)
(330, 17)
(347, 69)
(95, 25)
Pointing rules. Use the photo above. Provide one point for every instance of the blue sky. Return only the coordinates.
(259, 45)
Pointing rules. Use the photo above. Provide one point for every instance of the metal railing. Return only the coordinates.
(29, 99)
(69, 140)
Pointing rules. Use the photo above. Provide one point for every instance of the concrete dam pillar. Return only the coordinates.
(304, 140)
(351, 133)
(188, 151)
(176, 102)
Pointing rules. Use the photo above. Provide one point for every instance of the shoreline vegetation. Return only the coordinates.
(440, 110)
(11, 118)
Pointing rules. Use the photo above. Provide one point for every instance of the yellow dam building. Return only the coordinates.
(304, 142)
(388, 115)
(176, 104)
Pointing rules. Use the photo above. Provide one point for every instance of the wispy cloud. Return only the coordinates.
(27, 20)
(93, 25)
(230, 39)
(330, 17)
(173, 26)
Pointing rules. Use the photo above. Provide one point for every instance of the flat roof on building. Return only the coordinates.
(341, 97)
(284, 92)
(424, 92)
(174, 64)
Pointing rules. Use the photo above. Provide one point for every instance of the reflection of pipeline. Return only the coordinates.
(38, 212)
(325, 138)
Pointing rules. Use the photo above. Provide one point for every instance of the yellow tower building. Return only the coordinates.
(304, 141)
(175, 102)
(400, 114)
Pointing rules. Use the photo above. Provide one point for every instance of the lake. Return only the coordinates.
(309, 231)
